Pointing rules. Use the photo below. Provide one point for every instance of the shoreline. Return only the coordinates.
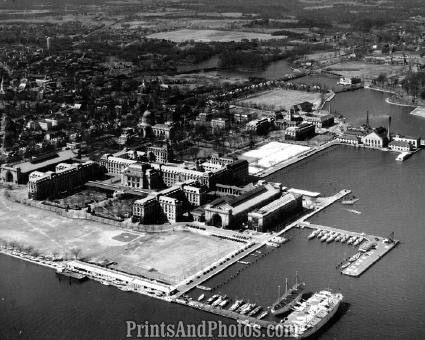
(388, 101)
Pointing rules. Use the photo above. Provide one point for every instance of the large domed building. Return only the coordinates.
(146, 123)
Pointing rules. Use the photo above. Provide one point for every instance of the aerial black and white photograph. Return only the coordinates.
(212, 169)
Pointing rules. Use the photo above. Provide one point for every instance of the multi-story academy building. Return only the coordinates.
(300, 132)
(229, 212)
(66, 177)
(117, 162)
(164, 131)
(141, 176)
(275, 213)
(18, 173)
(259, 125)
(169, 204)
(160, 154)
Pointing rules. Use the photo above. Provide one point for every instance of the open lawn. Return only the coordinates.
(169, 256)
(280, 99)
(210, 35)
(365, 70)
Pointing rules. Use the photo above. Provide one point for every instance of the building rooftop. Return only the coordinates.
(30, 166)
(276, 204)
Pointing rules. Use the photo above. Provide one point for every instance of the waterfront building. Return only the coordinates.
(65, 178)
(300, 132)
(229, 212)
(400, 146)
(119, 277)
(275, 213)
(349, 139)
(415, 142)
(376, 139)
(18, 173)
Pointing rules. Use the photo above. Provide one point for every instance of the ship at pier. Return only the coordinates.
(285, 302)
(311, 315)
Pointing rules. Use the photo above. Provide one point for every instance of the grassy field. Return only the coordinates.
(209, 35)
(169, 256)
(364, 70)
(280, 99)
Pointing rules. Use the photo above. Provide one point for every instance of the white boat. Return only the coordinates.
(201, 297)
(324, 237)
(224, 303)
(338, 238)
(313, 234)
(403, 156)
(236, 305)
(331, 238)
(358, 241)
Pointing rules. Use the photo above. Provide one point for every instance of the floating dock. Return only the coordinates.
(365, 259)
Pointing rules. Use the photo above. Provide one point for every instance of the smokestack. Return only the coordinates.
(389, 128)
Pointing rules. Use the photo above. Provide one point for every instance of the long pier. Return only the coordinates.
(365, 259)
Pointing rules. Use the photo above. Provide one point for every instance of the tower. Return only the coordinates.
(2, 86)
(367, 119)
(49, 43)
(389, 128)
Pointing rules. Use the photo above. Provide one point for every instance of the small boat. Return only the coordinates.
(320, 234)
(218, 301)
(236, 305)
(255, 311)
(212, 298)
(354, 211)
(350, 240)
(403, 156)
(224, 303)
(350, 202)
(242, 307)
(338, 238)
(313, 234)
(324, 237)
(201, 297)
(358, 241)
(263, 315)
(331, 238)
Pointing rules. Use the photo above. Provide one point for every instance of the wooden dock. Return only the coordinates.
(366, 259)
